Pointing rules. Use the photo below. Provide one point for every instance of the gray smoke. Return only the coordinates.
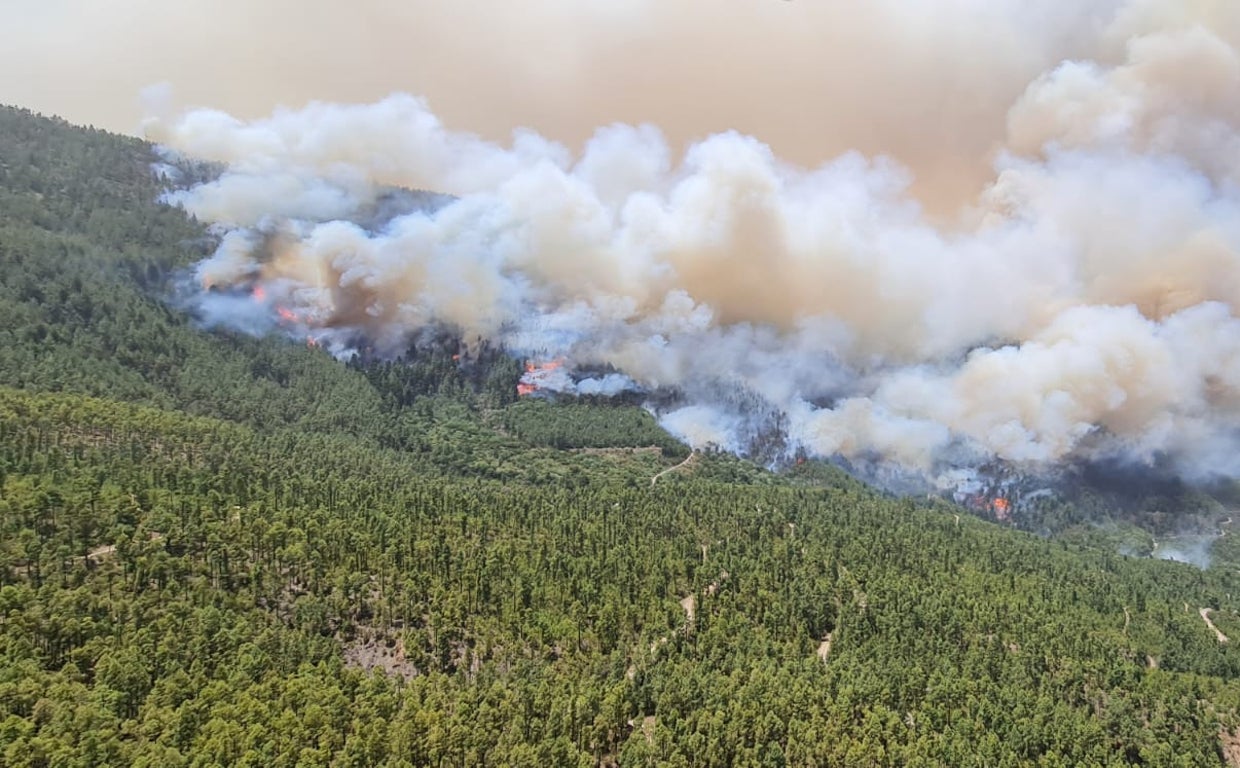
(1194, 550)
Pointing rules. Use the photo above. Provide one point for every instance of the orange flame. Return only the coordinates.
(259, 293)
(1002, 508)
(534, 372)
(286, 314)
(550, 365)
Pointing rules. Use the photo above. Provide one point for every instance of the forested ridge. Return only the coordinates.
(221, 550)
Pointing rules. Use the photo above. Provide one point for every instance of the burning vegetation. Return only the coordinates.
(815, 310)
(536, 376)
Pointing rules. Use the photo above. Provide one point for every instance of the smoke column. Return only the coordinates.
(1080, 303)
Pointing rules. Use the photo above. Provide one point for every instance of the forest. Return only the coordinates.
(221, 550)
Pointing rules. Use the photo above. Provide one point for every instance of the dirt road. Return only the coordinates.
(682, 465)
(1205, 616)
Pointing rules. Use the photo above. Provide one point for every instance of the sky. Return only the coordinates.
(812, 79)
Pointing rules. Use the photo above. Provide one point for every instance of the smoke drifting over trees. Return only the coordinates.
(1080, 305)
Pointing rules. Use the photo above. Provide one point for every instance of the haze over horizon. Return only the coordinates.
(928, 84)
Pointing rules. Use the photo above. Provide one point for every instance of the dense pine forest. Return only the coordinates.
(222, 550)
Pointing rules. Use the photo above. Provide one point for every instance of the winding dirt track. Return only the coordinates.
(682, 465)
(1205, 616)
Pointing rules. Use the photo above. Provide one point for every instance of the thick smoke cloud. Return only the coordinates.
(1081, 304)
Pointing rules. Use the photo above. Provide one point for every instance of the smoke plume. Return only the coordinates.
(1078, 303)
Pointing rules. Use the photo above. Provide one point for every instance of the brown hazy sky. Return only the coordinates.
(929, 82)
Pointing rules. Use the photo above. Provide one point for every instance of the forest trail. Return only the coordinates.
(617, 451)
(682, 465)
(1205, 616)
(1127, 619)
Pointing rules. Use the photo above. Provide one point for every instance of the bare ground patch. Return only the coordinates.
(1229, 740)
(824, 648)
(385, 653)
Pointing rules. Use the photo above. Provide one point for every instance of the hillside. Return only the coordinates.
(225, 550)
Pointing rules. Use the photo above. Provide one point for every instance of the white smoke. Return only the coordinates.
(1083, 305)
(1191, 549)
